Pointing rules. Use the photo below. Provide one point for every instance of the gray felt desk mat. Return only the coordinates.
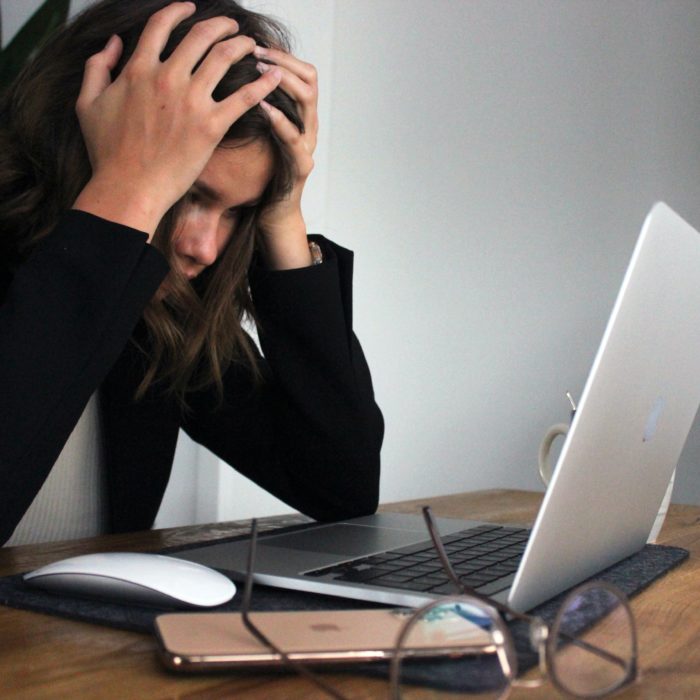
(632, 575)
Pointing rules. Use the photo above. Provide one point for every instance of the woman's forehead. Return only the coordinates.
(238, 173)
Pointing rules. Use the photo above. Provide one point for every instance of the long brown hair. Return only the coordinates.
(195, 331)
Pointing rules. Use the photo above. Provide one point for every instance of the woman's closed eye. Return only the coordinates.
(194, 198)
(234, 213)
(198, 199)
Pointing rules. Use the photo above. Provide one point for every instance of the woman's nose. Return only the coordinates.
(199, 241)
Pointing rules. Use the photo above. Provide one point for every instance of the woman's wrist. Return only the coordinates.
(286, 247)
(122, 204)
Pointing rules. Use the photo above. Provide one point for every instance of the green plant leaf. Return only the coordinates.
(51, 14)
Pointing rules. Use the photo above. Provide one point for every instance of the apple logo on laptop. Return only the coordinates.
(653, 419)
(325, 627)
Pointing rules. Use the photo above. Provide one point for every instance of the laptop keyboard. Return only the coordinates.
(485, 558)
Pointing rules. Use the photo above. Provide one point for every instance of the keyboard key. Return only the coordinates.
(413, 548)
(496, 586)
(471, 532)
(445, 589)
(388, 579)
(426, 569)
(381, 558)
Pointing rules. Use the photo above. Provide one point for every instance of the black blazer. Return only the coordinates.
(310, 433)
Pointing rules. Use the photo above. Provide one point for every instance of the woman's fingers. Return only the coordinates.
(305, 97)
(287, 132)
(97, 74)
(157, 31)
(299, 90)
(301, 146)
(299, 79)
(201, 38)
(300, 82)
(306, 71)
(219, 60)
(247, 96)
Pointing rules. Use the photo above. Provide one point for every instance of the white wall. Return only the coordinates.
(490, 162)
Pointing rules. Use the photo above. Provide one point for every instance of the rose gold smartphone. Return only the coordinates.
(211, 641)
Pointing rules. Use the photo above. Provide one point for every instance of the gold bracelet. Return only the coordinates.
(316, 253)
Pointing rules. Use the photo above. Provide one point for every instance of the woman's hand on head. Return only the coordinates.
(150, 133)
(282, 223)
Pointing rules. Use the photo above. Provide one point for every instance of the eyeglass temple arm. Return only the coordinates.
(258, 634)
(434, 532)
(247, 595)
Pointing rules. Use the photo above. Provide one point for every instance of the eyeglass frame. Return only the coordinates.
(504, 645)
(540, 638)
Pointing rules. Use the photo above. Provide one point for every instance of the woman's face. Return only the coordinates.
(235, 178)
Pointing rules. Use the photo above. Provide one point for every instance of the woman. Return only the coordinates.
(137, 237)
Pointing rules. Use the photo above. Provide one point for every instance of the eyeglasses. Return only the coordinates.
(589, 651)
(463, 646)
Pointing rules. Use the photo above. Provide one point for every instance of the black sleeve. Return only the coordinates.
(311, 432)
(66, 314)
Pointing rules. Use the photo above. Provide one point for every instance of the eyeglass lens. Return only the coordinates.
(602, 655)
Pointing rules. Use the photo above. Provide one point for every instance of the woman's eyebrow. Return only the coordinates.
(206, 191)
(214, 195)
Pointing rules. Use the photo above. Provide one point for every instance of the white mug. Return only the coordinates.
(546, 447)
(549, 437)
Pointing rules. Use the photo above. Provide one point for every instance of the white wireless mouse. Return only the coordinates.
(143, 579)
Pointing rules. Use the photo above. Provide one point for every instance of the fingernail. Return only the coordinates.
(276, 73)
(260, 51)
(263, 67)
(266, 106)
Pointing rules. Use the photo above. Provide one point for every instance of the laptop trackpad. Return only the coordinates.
(341, 538)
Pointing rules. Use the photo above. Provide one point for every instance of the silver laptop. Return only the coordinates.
(632, 421)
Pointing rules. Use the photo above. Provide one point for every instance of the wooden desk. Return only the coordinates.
(47, 657)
